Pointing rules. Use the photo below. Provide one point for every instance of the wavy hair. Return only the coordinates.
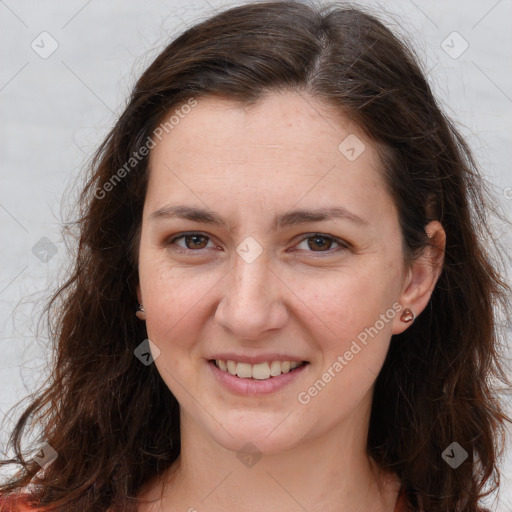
(113, 421)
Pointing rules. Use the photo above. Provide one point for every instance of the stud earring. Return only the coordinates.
(407, 315)
(140, 313)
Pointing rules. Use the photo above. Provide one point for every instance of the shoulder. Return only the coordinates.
(402, 504)
(14, 503)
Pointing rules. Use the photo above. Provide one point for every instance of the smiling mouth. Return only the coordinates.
(260, 371)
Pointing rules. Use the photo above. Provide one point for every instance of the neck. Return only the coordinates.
(331, 473)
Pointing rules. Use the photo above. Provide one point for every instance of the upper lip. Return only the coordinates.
(260, 358)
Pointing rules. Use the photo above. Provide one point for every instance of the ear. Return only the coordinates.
(422, 276)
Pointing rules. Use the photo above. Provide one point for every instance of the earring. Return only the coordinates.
(140, 313)
(407, 315)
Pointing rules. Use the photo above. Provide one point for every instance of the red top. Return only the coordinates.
(14, 504)
(18, 504)
(401, 502)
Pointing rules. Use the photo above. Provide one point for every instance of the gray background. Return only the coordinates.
(56, 108)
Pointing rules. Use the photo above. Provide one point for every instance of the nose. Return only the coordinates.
(252, 301)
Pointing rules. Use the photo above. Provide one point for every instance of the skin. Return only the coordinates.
(248, 164)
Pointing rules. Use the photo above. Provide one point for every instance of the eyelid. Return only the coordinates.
(170, 241)
(344, 245)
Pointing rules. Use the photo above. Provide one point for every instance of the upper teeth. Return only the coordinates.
(259, 371)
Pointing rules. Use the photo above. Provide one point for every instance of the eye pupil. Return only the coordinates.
(187, 238)
(326, 240)
(316, 243)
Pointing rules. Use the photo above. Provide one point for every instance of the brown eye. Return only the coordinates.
(196, 241)
(320, 243)
(192, 241)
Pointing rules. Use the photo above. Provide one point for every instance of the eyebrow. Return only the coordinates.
(282, 220)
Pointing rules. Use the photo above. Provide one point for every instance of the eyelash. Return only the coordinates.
(343, 245)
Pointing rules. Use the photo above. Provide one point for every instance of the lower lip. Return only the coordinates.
(256, 387)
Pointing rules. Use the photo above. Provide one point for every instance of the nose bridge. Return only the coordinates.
(250, 280)
(251, 302)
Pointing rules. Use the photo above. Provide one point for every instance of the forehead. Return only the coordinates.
(286, 146)
(289, 122)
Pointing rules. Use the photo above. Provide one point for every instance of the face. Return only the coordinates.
(253, 280)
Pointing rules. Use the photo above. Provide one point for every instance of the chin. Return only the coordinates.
(255, 436)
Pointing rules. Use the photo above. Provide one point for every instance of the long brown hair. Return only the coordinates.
(112, 420)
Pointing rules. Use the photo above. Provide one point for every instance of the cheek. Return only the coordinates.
(342, 304)
(352, 339)
(174, 306)
(173, 299)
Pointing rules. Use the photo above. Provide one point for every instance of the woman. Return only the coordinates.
(283, 298)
